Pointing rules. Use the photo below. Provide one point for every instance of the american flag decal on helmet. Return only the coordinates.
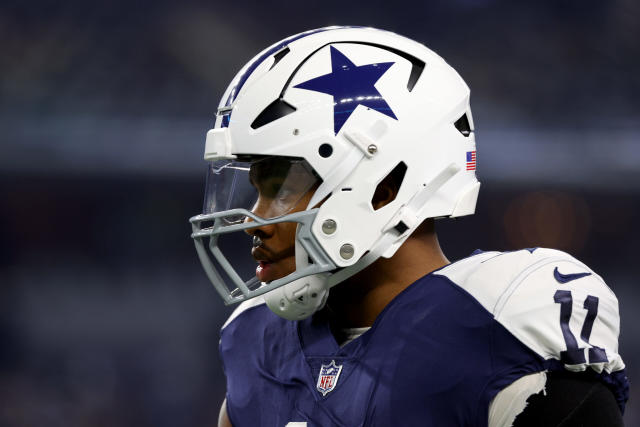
(328, 378)
(471, 160)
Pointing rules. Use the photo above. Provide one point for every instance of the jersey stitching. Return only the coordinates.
(443, 271)
(511, 290)
(513, 286)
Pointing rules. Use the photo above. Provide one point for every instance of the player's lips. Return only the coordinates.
(264, 270)
(273, 265)
(270, 266)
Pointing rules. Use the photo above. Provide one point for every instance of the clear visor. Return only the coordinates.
(254, 218)
(269, 187)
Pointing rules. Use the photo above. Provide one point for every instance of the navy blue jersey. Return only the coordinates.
(436, 356)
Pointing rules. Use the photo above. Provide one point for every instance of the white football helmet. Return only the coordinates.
(332, 112)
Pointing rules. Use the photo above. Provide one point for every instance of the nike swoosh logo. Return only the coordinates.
(564, 278)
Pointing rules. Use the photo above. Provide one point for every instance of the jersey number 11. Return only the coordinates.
(574, 355)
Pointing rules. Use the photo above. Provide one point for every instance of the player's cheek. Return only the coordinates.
(288, 266)
(287, 234)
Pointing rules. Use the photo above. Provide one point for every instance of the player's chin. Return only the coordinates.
(269, 271)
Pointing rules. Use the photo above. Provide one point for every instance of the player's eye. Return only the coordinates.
(269, 188)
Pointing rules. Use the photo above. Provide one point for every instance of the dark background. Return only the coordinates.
(106, 317)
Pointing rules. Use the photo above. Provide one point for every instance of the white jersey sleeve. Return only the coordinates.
(551, 302)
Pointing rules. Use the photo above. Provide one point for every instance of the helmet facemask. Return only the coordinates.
(255, 212)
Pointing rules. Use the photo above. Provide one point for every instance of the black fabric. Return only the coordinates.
(275, 110)
(571, 400)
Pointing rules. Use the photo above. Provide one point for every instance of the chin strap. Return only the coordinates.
(303, 297)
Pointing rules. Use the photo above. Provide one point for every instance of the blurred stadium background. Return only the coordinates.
(106, 318)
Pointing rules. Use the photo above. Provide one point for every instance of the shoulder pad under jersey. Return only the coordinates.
(550, 301)
(244, 306)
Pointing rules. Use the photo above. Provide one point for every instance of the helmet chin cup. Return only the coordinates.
(300, 298)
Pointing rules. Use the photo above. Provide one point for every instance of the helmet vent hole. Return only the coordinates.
(462, 124)
(325, 150)
(417, 67)
(277, 109)
(388, 189)
(278, 56)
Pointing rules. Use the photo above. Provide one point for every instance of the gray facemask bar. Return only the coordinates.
(320, 261)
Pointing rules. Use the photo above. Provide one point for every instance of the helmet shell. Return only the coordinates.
(370, 144)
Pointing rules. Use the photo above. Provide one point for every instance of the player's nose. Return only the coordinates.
(264, 230)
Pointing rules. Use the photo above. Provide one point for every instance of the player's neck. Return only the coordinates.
(357, 301)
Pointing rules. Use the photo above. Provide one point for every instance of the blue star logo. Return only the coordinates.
(350, 85)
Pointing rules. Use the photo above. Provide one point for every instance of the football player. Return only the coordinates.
(332, 154)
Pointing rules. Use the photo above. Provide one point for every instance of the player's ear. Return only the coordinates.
(387, 189)
(385, 193)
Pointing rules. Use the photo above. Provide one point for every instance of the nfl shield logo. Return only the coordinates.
(328, 377)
